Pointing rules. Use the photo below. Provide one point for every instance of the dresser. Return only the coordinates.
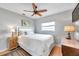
(12, 42)
(70, 47)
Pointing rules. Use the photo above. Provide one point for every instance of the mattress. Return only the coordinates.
(37, 44)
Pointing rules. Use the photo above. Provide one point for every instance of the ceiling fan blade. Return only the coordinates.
(38, 14)
(28, 11)
(33, 14)
(34, 6)
(44, 10)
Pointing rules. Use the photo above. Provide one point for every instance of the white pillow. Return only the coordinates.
(26, 31)
(22, 33)
(30, 32)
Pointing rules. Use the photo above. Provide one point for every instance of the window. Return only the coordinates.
(48, 26)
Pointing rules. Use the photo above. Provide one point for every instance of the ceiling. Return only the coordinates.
(52, 8)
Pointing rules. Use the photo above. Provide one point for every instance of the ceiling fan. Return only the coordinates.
(35, 11)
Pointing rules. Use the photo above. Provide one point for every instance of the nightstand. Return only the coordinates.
(70, 47)
(12, 42)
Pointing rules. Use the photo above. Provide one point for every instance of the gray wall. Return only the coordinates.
(9, 18)
(61, 20)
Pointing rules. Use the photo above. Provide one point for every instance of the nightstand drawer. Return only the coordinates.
(68, 51)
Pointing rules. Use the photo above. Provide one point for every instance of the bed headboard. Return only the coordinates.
(25, 30)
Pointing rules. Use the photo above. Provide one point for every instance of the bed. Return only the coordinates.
(36, 44)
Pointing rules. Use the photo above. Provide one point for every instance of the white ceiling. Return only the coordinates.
(53, 8)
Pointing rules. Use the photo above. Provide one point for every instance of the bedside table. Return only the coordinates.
(70, 47)
(12, 42)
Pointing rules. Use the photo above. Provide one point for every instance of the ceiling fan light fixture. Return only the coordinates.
(36, 11)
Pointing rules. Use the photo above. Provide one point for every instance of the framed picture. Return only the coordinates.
(25, 22)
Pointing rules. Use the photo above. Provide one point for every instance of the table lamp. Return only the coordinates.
(12, 32)
(69, 29)
(12, 29)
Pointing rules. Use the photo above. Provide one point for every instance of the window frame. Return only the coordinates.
(48, 26)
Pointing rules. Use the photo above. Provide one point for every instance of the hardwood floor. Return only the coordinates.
(56, 51)
(17, 52)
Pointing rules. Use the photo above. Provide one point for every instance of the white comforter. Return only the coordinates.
(37, 44)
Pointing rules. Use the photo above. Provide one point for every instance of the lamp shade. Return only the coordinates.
(69, 28)
(12, 30)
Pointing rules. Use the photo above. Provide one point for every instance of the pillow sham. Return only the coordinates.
(26, 31)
